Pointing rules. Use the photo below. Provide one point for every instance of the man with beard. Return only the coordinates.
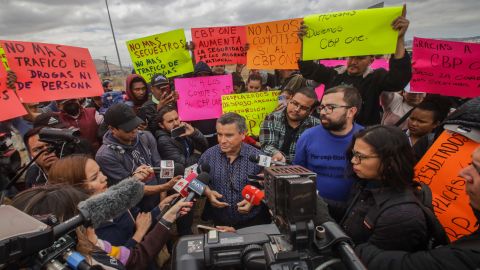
(280, 131)
(322, 149)
(72, 114)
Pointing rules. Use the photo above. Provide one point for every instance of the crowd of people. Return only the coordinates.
(362, 138)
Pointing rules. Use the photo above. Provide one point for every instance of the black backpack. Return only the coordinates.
(423, 198)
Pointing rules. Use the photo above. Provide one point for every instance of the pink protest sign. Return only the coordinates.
(10, 106)
(377, 63)
(446, 67)
(201, 98)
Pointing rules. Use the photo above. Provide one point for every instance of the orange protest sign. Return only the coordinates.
(439, 169)
(273, 45)
(50, 72)
(10, 106)
(220, 45)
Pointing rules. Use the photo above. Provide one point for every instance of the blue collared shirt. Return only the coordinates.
(229, 179)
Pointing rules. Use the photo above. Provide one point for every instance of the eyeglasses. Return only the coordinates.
(358, 157)
(299, 106)
(330, 107)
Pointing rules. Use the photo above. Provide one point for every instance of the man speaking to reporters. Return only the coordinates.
(230, 167)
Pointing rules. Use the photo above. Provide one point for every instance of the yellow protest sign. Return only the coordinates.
(253, 106)
(161, 54)
(350, 33)
(4, 58)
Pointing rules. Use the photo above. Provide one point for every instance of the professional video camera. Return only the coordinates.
(65, 141)
(9, 160)
(293, 242)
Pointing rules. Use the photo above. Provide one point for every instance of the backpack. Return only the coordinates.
(423, 198)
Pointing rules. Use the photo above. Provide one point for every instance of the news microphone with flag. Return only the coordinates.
(265, 161)
(253, 195)
(197, 186)
(105, 206)
(203, 168)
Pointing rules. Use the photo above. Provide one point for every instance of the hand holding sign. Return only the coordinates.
(401, 23)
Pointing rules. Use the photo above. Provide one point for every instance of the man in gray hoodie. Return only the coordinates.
(127, 151)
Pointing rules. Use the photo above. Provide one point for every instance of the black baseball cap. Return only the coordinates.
(158, 80)
(123, 117)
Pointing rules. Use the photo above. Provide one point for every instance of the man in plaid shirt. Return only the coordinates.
(280, 130)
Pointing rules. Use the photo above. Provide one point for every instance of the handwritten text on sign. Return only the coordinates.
(253, 106)
(273, 45)
(10, 106)
(350, 33)
(439, 169)
(220, 45)
(377, 63)
(160, 54)
(446, 67)
(201, 98)
(50, 72)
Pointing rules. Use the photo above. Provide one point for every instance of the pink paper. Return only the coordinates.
(446, 67)
(201, 98)
(378, 63)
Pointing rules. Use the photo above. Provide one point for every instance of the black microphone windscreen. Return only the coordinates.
(204, 177)
(203, 168)
(179, 169)
(254, 158)
(113, 202)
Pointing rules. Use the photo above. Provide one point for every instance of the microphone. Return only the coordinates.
(182, 185)
(197, 186)
(169, 169)
(253, 195)
(105, 206)
(265, 161)
(203, 168)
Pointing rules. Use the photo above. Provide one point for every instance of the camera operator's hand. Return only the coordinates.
(213, 197)
(143, 173)
(181, 208)
(188, 129)
(142, 224)
(167, 201)
(244, 207)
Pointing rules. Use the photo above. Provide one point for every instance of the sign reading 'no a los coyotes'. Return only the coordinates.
(51, 72)
(161, 54)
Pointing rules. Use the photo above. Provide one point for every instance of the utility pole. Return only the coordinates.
(114, 40)
(106, 67)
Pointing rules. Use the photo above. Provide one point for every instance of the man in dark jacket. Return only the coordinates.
(358, 73)
(137, 91)
(127, 151)
(184, 149)
(461, 254)
(161, 96)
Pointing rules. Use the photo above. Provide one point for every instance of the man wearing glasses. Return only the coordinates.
(280, 131)
(322, 149)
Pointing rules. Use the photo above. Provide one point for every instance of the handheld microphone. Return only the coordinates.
(169, 169)
(197, 186)
(265, 161)
(105, 206)
(203, 168)
(182, 188)
(182, 185)
(253, 195)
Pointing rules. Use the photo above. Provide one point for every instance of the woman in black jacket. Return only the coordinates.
(383, 209)
(184, 149)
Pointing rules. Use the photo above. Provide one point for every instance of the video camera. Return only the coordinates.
(292, 242)
(9, 160)
(65, 141)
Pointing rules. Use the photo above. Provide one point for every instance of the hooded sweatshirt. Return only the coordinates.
(132, 100)
(118, 161)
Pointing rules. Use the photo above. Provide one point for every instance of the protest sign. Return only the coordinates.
(220, 45)
(200, 98)
(10, 106)
(161, 54)
(273, 45)
(350, 33)
(3, 57)
(446, 67)
(253, 106)
(377, 63)
(50, 72)
(439, 169)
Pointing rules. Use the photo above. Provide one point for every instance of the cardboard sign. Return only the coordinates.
(50, 72)
(220, 45)
(377, 63)
(160, 54)
(350, 33)
(201, 98)
(253, 106)
(273, 45)
(446, 67)
(10, 106)
(439, 169)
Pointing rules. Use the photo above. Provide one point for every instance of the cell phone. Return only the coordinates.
(208, 228)
(176, 132)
